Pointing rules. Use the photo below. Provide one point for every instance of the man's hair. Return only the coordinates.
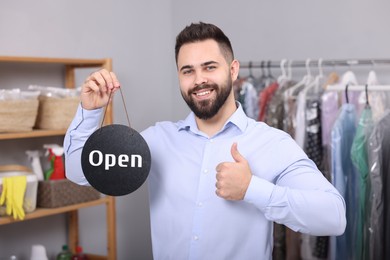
(197, 32)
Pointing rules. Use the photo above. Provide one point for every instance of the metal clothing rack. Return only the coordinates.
(313, 62)
(340, 87)
(267, 64)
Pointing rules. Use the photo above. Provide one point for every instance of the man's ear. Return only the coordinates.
(234, 69)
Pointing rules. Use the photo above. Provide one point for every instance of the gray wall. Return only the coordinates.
(139, 36)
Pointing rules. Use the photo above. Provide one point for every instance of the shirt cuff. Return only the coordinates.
(259, 192)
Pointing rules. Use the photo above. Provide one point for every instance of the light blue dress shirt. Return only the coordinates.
(188, 219)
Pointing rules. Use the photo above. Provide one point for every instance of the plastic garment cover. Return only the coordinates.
(329, 112)
(247, 96)
(314, 247)
(379, 194)
(344, 177)
(275, 108)
(379, 101)
(360, 160)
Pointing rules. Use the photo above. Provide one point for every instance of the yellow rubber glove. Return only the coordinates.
(18, 191)
(14, 189)
(8, 196)
(3, 193)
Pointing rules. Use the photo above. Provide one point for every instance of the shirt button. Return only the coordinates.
(211, 140)
(196, 238)
(205, 171)
(200, 204)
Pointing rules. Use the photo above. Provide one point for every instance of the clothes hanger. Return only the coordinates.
(349, 78)
(315, 84)
(367, 102)
(346, 94)
(372, 78)
(305, 80)
(250, 77)
(289, 70)
(269, 75)
(284, 75)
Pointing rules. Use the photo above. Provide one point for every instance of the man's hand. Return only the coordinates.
(97, 88)
(233, 177)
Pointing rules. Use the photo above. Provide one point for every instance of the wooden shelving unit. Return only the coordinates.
(70, 65)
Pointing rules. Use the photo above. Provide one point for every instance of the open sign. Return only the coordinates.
(109, 160)
(116, 160)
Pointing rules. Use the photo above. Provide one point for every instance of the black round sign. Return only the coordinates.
(116, 160)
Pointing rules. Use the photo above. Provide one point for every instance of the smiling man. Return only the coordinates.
(218, 179)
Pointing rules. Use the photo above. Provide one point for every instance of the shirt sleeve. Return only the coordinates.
(83, 125)
(300, 198)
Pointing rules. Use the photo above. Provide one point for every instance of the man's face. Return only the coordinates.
(205, 79)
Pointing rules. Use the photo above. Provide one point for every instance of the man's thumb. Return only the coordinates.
(236, 154)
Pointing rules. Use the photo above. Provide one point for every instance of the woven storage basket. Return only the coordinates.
(18, 115)
(56, 113)
(58, 193)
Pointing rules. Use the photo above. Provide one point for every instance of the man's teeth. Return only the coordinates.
(203, 93)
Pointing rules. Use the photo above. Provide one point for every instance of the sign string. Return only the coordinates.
(124, 105)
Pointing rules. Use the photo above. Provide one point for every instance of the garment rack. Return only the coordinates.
(325, 63)
(314, 62)
(340, 87)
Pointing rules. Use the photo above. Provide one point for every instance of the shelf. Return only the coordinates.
(44, 212)
(32, 134)
(69, 66)
(65, 61)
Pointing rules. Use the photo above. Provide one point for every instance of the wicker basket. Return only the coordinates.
(18, 115)
(56, 113)
(59, 193)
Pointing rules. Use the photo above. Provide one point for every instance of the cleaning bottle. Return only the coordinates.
(79, 255)
(65, 254)
(56, 170)
(36, 166)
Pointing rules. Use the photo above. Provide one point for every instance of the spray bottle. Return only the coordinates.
(56, 170)
(36, 166)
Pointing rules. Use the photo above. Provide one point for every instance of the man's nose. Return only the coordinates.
(200, 78)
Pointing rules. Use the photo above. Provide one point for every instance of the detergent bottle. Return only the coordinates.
(56, 170)
(33, 156)
(65, 254)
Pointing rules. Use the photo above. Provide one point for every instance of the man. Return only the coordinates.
(218, 179)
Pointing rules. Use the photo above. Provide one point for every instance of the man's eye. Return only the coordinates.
(186, 72)
(209, 68)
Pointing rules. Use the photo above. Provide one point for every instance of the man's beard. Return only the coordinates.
(206, 109)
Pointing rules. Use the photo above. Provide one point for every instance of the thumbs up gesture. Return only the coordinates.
(233, 177)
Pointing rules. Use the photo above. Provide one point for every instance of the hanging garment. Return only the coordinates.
(264, 98)
(360, 160)
(300, 129)
(290, 105)
(275, 110)
(249, 94)
(313, 131)
(279, 249)
(246, 94)
(379, 102)
(379, 197)
(343, 178)
(329, 111)
(313, 147)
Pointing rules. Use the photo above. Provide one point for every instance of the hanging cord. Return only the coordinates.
(124, 105)
(346, 93)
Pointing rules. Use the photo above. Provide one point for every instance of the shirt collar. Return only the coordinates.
(239, 119)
